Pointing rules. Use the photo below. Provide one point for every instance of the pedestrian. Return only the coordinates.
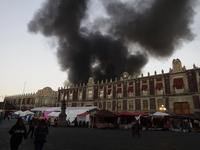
(18, 131)
(49, 122)
(55, 122)
(137, 131)
(31, 127)
(40, 135)
(132, 127)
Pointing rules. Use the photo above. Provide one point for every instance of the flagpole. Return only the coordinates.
(22, 95)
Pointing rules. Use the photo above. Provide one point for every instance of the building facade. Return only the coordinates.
(43, 98)
(178, 91)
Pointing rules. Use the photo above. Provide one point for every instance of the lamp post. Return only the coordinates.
(162, 108)
(22, 95)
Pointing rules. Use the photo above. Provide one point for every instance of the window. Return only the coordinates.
(130, 91)
(45, 101)
(109, 106)
(160, 103)
(79, 105)
(70, 96)
(101, 94)
(145, 104)
(159, 88)
(119, 105)
(130, 105)
(109, 93)
(100, 105)
(80, 95)
(178, 84)
(90, 94)
(144, 89)
(119, 93)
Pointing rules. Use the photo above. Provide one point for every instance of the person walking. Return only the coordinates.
(18, 131)
(49, 122)
(132, 127)
(31, 127)
(137, 131)
(40, 135)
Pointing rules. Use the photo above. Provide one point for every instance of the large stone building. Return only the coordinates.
(43, 98)
(178, 91)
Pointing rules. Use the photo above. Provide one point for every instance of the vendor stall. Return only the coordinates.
(103, 119)
(81, 118)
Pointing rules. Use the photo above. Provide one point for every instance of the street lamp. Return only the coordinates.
(162, 108)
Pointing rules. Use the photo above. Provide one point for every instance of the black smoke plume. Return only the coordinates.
(156, 27)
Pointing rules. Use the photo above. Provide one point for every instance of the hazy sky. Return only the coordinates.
(31, 58)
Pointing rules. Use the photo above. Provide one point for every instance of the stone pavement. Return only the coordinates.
(74, 138)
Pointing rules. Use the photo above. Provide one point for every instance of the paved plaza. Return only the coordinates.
(74, 138)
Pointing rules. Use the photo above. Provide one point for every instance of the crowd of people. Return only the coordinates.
(37, 128)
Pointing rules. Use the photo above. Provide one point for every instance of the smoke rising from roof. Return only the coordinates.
(158, 27)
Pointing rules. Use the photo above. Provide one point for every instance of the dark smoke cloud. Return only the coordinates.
(158, 27)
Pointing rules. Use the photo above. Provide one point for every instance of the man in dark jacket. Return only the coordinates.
(18, 131)
(137, 131)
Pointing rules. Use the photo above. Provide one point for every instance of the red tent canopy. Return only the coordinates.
(83, 114)
(125, 113)
(106, 113)
(140, 113)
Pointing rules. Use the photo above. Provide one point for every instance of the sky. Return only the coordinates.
(29, 60)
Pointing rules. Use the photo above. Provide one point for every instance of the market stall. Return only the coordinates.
(125, 119)
(159, 121)
(103, 119)
(81, 118)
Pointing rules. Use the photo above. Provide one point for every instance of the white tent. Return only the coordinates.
(22, 114)
(160, 114)
(17, 112)
(47, 109)
(27, 112)
(53, 114)
(1, 110)
(71, 112)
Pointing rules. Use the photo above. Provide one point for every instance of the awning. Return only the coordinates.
(125, 113)
(130, 89)
(119, 90)
(109, 91)
(83, 114)
(160, 114)
(158, 86)
(144, 87)
(141, 113)
(178, 83)
(105, 113)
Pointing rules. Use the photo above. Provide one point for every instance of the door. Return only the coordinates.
(181, 108)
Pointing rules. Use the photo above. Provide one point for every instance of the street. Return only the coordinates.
(74, 138)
